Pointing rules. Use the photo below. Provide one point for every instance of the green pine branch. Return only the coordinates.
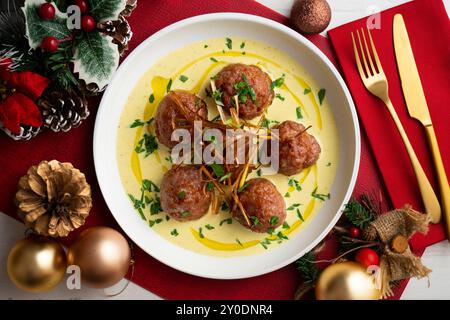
(307, 267)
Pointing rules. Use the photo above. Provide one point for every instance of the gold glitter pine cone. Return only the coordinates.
(53, 198)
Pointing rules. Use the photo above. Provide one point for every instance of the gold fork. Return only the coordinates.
(375, 81)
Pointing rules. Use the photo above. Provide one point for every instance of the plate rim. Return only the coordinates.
(298, 37)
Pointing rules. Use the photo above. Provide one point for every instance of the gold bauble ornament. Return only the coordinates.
(36, 264)
(103, 256)
(346, 281)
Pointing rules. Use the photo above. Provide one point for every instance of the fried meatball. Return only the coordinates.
(168, 111)
(298, 149)
(183, 193)
(263, 204)
(252, 85)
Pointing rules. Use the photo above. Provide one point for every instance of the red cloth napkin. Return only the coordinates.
(428, 27)
(76, 147)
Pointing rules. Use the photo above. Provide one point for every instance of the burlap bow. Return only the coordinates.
(394, 229)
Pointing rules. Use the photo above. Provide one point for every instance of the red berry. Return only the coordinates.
(354, 232)
(88, 23)
(47, 11)
(50, 44)
(367, 257)
(83, 5)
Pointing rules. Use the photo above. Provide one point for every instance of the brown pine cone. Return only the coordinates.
(63, 110)
(53, 198)
(119, 30)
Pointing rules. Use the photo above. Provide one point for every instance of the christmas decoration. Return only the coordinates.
(53, 198)
(391, 229)
(367, 257)
(50, 44)
(63, 110)
(87, 23)
(76, 62)
(47, 11)
(310, 16)
(354, 232)
(19, 91)
(103, 256)
(380, 246)
(346, 281)
(36, 264)
(83, 5)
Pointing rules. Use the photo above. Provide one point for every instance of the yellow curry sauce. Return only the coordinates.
(190, 68)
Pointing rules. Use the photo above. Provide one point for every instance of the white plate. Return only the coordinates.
(179, 35)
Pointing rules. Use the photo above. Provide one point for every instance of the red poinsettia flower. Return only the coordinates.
(19, 91)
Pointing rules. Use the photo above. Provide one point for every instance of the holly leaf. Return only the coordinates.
(102, 10)
(96, 58)
(37, 29)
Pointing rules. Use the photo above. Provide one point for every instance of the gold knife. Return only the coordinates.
(418, 108)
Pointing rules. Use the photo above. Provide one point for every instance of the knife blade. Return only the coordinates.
(409, 75)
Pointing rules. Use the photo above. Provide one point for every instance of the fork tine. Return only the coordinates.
(369, 56)
(375, 54)
(361, 49)
(358, 61)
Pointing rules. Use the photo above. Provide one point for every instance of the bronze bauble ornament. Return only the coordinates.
(103, 256)
(36, 264)
(346, 281)
(310, 16)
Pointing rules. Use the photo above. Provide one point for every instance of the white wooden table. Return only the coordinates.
(436, 257)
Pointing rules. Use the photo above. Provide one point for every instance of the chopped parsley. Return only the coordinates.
(239, 242)
(259, 172)
(321, 95)
(287, 195)
(151, 99)
(306, 91)
(183, 78)
(286, 225)
(151, 223)
(279, 96)
(213, 59)
(267, 123)
(217, 95)
(320, 196)
(185, 213)
(169, 85)
(243, 89)
(273, 220)
(292, 207)
(277, 82)
(242, 46)
(137, 123)
(181, 195)
(229, 43)
(298, 110)
(227, 221)
(147, 144)
(149, 185)
(328, 164)
(155, 206)
(210, 186)
(218, 169)
(254, 220)
(299, 215)
(174, 232)
(294, 183)
(224, 206)
(209, 227)
(205, 46)
(200, 232)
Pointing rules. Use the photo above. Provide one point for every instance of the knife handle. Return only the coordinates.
(441, 175)
(429, 198)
